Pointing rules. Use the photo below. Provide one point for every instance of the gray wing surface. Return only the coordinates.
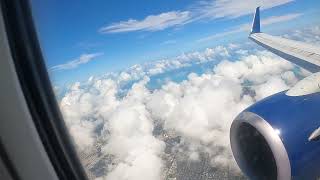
(299, 53)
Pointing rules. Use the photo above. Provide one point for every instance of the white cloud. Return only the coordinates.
(309, 35)
(138, 71)
(272, 85)
(246, 27)
(203, 10)
(124, 76)
(83, 59)
(149, 23)
(131, 140)
(278, 19)
(233, 8)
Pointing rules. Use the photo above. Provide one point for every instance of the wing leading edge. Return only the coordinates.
(299, 53)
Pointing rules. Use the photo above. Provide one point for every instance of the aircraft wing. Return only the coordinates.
(299, 53)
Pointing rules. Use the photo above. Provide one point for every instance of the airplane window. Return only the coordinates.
(150, 89)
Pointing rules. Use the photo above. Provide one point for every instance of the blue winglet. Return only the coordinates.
(256, 22)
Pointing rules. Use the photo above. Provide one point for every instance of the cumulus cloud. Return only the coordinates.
(83, 59)
(80, 107)
(131, 140)
(199, 110)
(149, 23)
(247, 26)
(202, 108)
(138, 71)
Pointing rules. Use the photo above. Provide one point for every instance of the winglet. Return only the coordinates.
(256, 22)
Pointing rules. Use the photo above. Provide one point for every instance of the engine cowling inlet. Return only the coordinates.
(269, 140)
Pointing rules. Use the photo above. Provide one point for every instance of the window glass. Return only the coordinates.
(149, 89)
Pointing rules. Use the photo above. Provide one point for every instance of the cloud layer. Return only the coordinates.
(152, 68)
(199, 110)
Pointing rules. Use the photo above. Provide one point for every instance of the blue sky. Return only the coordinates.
(84, 38)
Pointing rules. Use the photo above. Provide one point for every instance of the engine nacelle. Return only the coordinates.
(269, 140)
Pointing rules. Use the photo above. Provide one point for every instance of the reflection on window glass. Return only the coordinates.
(149, 89)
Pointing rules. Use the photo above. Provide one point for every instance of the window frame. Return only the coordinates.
(37, 89)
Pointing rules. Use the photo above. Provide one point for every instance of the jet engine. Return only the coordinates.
(277, 138)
